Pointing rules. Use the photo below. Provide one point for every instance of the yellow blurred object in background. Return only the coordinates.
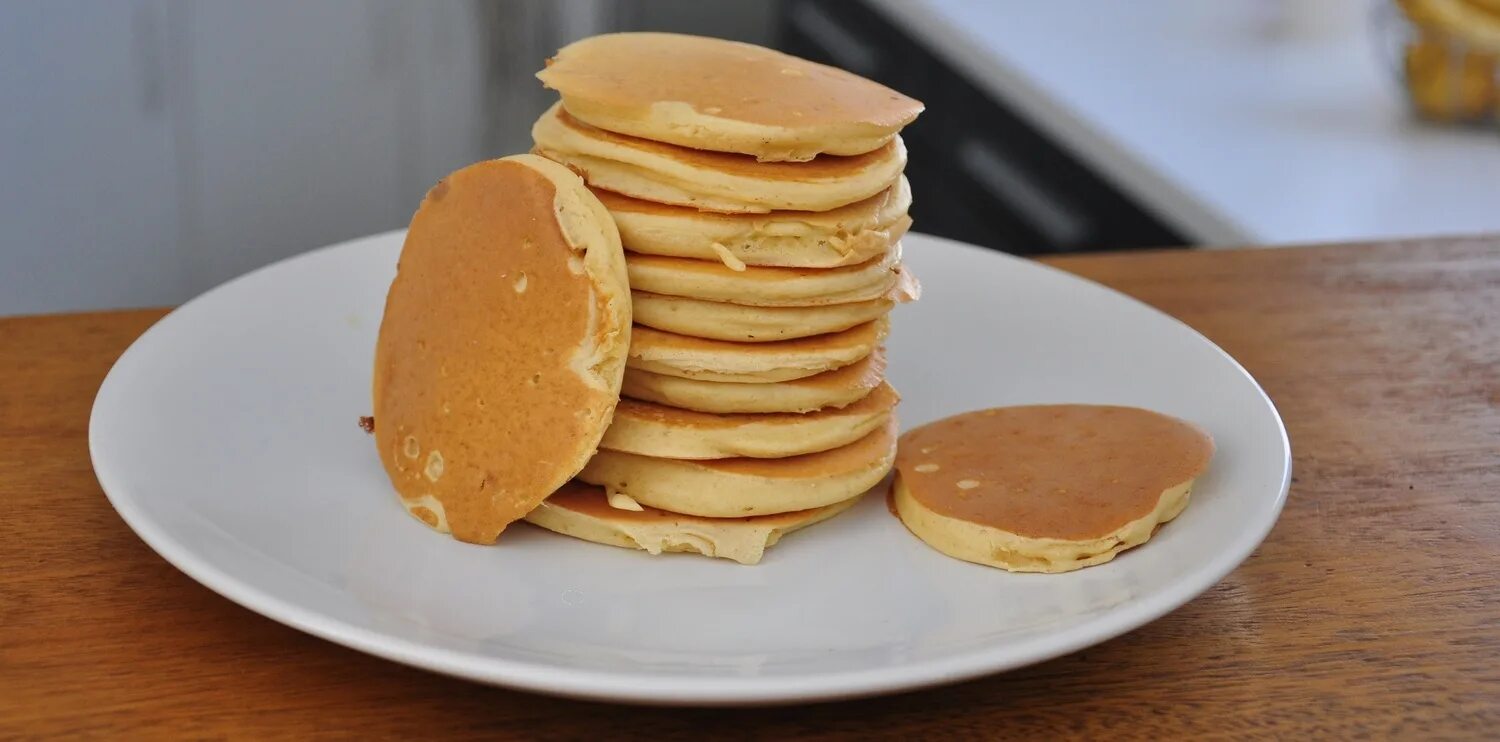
(1450, 59)
(1448, 84)
(1475, 23)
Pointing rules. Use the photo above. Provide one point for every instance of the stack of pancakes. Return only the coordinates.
(760, 201)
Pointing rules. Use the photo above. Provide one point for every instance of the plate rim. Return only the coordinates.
(669, 690)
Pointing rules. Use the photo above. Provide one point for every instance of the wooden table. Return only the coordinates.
(1373, 608)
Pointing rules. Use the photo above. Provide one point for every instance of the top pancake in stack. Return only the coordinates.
(723, 96)
(761, 203)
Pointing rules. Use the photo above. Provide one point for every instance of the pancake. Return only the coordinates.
(727, 361)
(650, 429)
(715, 181)
(730, 488)
(719, 320)
(837, 388)
(500, 353)
(793, 239)
(772, 287)
(724, 95)
(582, 511)
(1046, 488)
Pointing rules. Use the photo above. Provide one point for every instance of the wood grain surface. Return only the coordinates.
(1372, 610)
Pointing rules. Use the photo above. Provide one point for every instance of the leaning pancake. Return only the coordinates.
(836, 388)
(1046, 488)
(714, 181)
(582, 511)
(719, 320)
(723, 360)
(795, 239)
(652, 429)
(727, 488)
(502, 346)
(772, 287)
(723, 95)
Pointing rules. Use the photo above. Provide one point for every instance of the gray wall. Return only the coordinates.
(150, 149)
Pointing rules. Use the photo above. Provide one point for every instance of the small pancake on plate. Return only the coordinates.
(791, 239)
(723, 95)
(721, 320)
(583, 511)
(1046, 488)
(773, 287)
(500, 353)
(651, 429)
(730, 488)
(836, 388)
(713, 181)
(755, 363)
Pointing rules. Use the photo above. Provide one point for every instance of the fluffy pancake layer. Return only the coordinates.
(726, 488)
(847, 235)
(997, 547)
(836, 388)
(723, 95)
(582, 511)
(714, 181)
(511, 278)
(722, 360)
(772, 287)
(719, 320)
(651, 429)
(1046, 488)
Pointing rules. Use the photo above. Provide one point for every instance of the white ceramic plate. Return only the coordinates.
(226, 437)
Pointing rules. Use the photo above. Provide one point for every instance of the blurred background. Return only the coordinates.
(150, 149)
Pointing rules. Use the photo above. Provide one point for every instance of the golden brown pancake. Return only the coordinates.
(723, 360)
(502, 346)
(718, 320)
(728, 488)
(723, 95)
(773, 287)
(651, 429)
(793, 239)
(836, 388)
(1046, 488)
(715, 181)
(582, 511)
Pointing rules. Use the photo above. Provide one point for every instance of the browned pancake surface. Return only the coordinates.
(1073, 472)
(724, 79)
(475, 401)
